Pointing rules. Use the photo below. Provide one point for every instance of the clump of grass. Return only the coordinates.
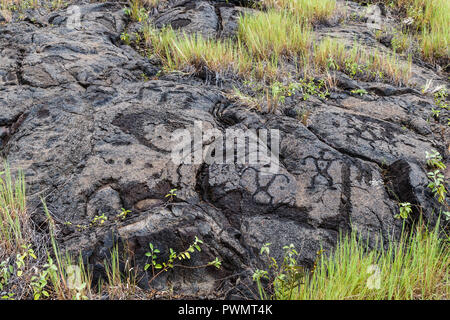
(260, 51)
(19, 259)
(430, 20)
(359, 62)
(257, 52)
(27, 269)
(435, 44)
(306, 10)
(416, 267)
(14, 221)
(272, 34)
(401, 42)
(268, 46)
(272, 38)
(120, 275)
(244, 99)
(180, 51)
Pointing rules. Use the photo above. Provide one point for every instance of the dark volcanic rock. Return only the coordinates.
(407, 183)
(93, 137)
(191, 16)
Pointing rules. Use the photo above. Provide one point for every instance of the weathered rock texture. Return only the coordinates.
(92, 137)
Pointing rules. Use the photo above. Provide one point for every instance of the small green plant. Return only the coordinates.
(437, 185)
(123, 214)
(145, 77)
(152, 255)
(7, 296)
(215, 263)
(303, 115)
(359, 62)
(446, 215)
(136, 11)
(99, 219)
(405, 210)
(121, 276)
(39, 283)
(284, 277)
(81, 227)
(6, 271)
(434, 160)
(309, 87)
(22, 257)
(361, 92)
(435, 113)
(352, 68)
(171, 194)
(258, 275)
(440, 98)
(331, 63)
(159, 268)
(401, 42)
(278, 92)
(127, 11)
(125, 37)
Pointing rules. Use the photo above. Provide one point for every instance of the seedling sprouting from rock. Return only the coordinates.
(171, 194)
(122, 215)
(405, 210)
(173, 257)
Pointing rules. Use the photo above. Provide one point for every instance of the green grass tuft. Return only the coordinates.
(306, 10)
(417, 267)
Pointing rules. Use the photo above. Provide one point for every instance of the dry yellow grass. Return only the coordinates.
(307, 10)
